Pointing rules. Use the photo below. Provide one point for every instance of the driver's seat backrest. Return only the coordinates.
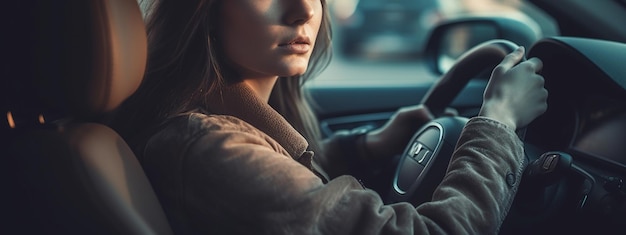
(72, 62)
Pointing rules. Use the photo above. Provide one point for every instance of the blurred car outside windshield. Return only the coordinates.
(382, 41)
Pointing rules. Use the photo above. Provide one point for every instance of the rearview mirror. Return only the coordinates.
(451, 39)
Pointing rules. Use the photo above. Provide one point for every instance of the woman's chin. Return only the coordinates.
(294, 66)
(292, 72)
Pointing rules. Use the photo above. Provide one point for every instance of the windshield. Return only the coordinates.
(375, 38)
(398, 29)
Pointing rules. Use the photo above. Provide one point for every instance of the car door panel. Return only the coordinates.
(350, 107)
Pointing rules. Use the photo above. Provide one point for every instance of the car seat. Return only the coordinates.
(66, 65)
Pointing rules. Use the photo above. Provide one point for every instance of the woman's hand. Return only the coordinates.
(391, 138)
(515, 94)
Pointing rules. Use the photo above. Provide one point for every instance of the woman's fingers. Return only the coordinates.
(536, 64)
(509, 61)
(515, 94)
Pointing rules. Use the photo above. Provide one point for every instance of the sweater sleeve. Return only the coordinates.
(474, 196)
(236, 182)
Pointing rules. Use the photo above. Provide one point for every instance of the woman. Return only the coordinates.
(223, 131)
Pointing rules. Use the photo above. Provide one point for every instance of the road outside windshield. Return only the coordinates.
(379, 42)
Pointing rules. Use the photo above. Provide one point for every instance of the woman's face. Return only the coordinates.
(269, 38)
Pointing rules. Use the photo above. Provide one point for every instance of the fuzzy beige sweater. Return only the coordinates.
(242, 169)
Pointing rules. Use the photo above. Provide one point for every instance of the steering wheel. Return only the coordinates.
(425, 159)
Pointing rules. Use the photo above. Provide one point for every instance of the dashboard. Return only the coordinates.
(586, 119)
(602, 130)
(594, 125)
(587, 99)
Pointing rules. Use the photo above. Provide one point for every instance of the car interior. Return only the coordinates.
(68, 173)
(70, 64)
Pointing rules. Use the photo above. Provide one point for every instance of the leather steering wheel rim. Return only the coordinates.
(424, 161)
(471, 63)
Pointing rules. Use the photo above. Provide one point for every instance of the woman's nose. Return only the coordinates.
(299, 11)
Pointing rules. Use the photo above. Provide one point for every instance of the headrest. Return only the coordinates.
(75, 57)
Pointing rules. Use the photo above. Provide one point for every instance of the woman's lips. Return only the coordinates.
(295, 48)
(298, 44)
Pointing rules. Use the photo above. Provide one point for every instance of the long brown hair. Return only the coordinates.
(185, 65)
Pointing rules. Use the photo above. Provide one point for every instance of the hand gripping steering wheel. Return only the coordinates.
(425, 160)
